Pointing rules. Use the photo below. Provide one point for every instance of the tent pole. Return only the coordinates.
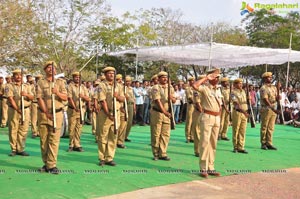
(97, 61)
(288, 64)
(211, 43)
(137, 57)
(266, 66)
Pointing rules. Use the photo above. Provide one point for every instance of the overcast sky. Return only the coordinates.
(198, 12)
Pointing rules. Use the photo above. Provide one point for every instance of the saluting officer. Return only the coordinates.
(75, 125)
(239, 116)
(211, 98)
(107, 138)
(17, 128)
(268, 97)
(49, 135)
(160, 123)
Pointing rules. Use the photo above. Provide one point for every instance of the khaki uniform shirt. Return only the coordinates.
(196, 98)
(158, 92)
(44, 92)
(73, 92)
(189, 94)
(211, 98)
(105, 92)
(14, 90)
(268, 91)
(225, 92)
(239, 96)
(131, 97)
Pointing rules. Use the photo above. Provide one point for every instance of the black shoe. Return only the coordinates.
(33, 136)
(192, 141)
(166, 158)
(264, 147)
(242, 151)
(53, 170)
(13, 153)
(122, 146)
(197, 154)
(213, 173)
(101, 163)
(111, 163)
(271, 147)
(79, 149)
(23, 153)
(235, 151)
(43, 169)
(187, 141)
(70, 149)
(225, 138)
(127, 140)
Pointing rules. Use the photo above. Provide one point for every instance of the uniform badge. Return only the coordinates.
(232, 96)
(6, 89)
(99, 89)
(154, 90)
(196, 94)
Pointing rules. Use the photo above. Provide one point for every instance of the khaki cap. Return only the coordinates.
(162, 73)
(266, 74)
(109, 68)
(50, 63)
(238, 80)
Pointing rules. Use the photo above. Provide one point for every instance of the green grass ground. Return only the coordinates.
(83, 178)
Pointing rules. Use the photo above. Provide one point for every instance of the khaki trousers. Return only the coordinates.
(4, 112)
(75, 128)
(130, 119)
(268, 118)
(107, 139)
(49, 140)
(122, 129)
(239, 125)
(209, 130)
(34, 118)
(17, 131)
(188, 122)
(160, 133)
(224, 123)
(195, 129)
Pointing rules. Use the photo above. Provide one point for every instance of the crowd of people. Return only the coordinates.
(112, 104)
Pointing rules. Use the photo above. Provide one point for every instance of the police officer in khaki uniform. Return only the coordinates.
(33, 107)
(4, 104)
(160, 124)
(211, 99)
(93, 106)
(76, 93)
(107, 138)
(268, 97)
(225, 112)
(18, 126)
(130, 98)
(239, 116)
(49, 136)
(123, 122)
(35, 110)
(1, 94)
(190, 109)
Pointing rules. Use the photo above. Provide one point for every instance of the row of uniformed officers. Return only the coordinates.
(210, 115)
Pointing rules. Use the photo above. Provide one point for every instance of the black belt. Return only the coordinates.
(56, 110)
(25, 107)
(4, 97)
(73, 108)
(156, 109)
(35, 102)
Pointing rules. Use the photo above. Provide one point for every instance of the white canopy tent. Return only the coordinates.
(222, 55)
